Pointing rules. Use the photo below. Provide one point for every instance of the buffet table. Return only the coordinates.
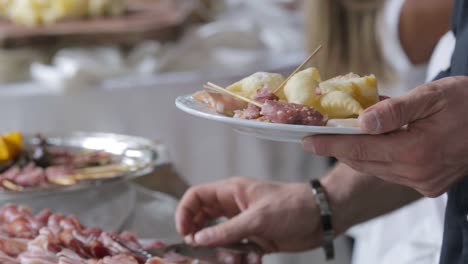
(200, 150)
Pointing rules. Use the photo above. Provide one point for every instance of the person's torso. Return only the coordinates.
(455, 244)
(460, 28)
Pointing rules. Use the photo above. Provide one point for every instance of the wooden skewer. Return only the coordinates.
(220, 89)
(298, 69)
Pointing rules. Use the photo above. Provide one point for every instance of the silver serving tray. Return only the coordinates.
(139, 153)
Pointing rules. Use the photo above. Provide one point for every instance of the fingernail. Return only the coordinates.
(189, 239)
(370, 121)
(203, 237)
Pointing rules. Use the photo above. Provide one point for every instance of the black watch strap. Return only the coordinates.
(326, 217)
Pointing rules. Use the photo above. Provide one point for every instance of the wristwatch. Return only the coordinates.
(326, 217)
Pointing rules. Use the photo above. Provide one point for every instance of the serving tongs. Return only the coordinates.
(247, 252)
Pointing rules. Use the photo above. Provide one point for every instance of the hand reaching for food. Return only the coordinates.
(252, 209)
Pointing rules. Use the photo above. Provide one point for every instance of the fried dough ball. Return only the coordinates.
(249, 86)
(301, 88)
(363, 89)
(339, 104)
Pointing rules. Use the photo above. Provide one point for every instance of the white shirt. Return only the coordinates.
(412, 234)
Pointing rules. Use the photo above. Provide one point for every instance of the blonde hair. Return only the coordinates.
(346, 29)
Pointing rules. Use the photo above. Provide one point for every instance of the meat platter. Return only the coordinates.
(52, 238)
(63, 163)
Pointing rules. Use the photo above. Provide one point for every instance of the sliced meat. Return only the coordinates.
(58, 239)
(250, 113)
(19, 228)
(9, 213)
(13, 246)
(265, 94)
(4, 259)
(289, 113)
(130, 240)
(53, 223)
(46, 243)
(11, 173)
(43, 216)
(109, 243)
(37, 258)
(281, 112)
(155, 261)
(223, 104)
(308, 116)
(31, 176)
(119, 259)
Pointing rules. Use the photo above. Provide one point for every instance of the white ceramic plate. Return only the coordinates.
(270, 131)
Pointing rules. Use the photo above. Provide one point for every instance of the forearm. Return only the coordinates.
(422, 24)
(356, 197)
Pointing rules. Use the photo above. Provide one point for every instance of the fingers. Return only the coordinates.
(394, 113)
(207, 202)
(197, 207)
(362, 147)
(188, 209)
(232, 231)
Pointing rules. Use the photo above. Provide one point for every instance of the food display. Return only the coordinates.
(39, 164)
(53, 238)
(302, 99)
(34, 163)
(39, 12)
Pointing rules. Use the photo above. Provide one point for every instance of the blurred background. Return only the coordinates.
(117, 66)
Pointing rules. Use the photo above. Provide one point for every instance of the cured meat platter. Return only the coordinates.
(48, 237)
(65, 163)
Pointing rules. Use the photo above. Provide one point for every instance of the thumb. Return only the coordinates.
(232, 231)
(394, 113)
